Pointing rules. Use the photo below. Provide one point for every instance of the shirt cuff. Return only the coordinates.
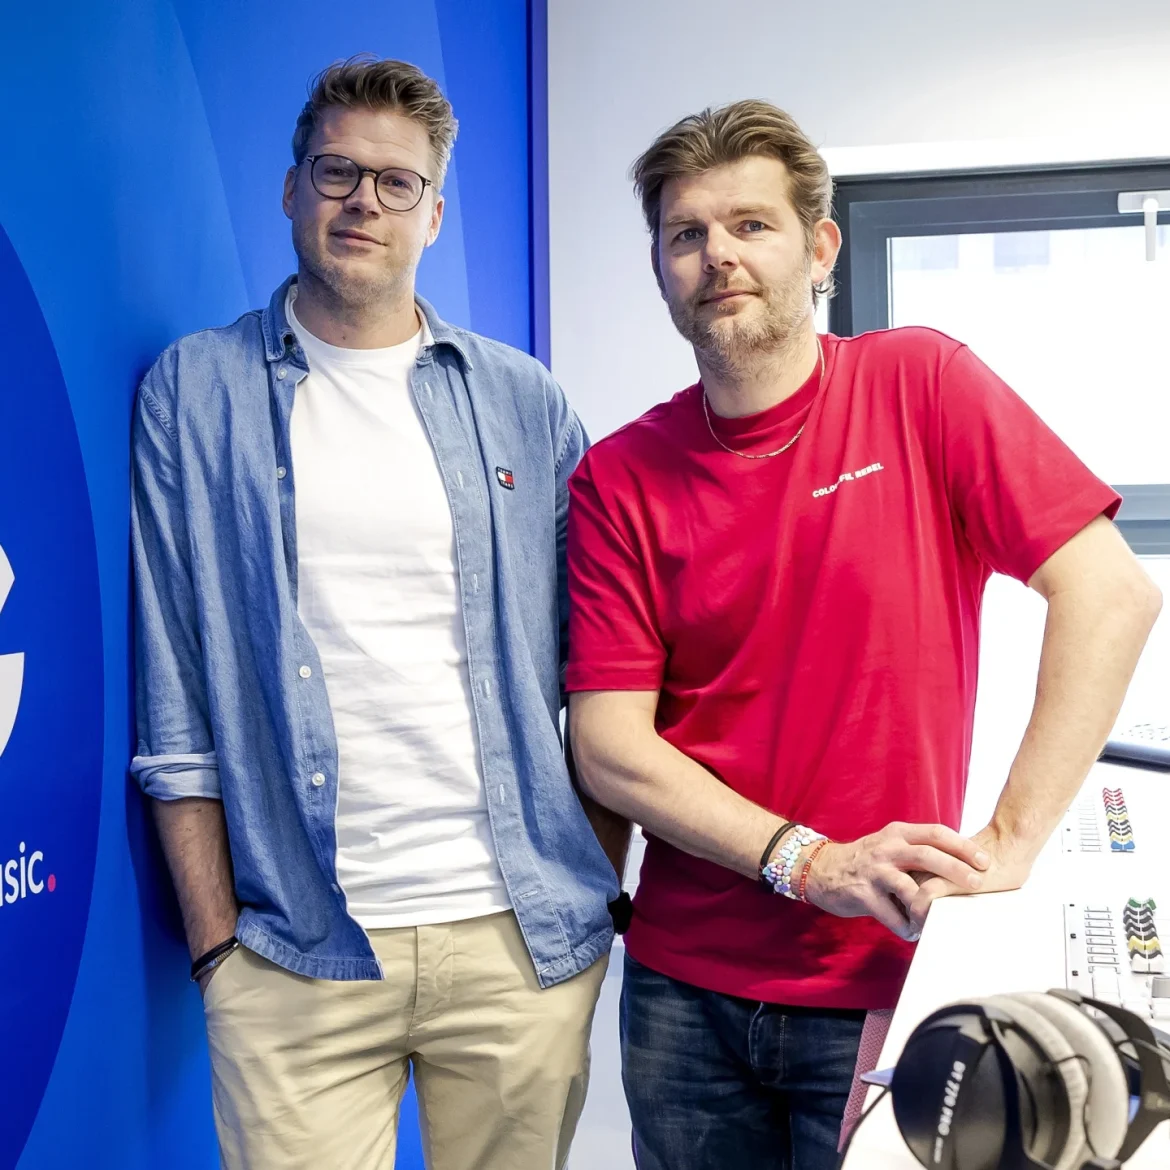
(177, 777)
(631, 677)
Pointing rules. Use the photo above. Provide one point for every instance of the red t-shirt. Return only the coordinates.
(812, 624)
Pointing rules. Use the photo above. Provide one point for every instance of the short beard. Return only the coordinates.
(730, 343)
(340, 288)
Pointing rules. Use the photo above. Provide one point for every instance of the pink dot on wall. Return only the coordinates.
(52, 882)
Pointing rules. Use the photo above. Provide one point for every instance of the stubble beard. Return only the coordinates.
(728, 342)
(347, 292)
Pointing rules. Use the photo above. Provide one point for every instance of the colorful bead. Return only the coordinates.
(778, 873)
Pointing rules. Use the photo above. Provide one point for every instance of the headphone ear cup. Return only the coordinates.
(1070, 1071)
(1107, 1118)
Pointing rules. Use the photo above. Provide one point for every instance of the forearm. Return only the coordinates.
(194, 839)
(1092, 641)
(613, 832)
(628, 768)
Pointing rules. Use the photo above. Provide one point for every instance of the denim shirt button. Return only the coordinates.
(318, 779)
(305, 672)
(281, 472)
(282, 373)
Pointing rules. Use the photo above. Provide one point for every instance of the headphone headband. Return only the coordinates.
(1009, 1083)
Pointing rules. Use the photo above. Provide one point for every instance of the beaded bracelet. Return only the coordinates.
(778, 872)
(800, 889)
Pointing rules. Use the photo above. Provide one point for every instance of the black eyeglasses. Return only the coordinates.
(336, 177)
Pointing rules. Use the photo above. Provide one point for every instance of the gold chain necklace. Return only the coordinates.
(779, 450)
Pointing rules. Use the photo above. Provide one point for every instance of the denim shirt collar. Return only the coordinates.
(279, 337)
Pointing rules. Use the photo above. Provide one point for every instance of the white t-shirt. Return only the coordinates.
(379, 595)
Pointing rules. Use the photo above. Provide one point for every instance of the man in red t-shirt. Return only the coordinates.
(776, 580)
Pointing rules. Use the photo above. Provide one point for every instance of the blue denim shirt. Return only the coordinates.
(223, 711)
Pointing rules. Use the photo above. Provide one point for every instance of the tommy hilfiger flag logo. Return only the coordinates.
(506, 478)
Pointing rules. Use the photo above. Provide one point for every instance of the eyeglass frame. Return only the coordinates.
(361, 174)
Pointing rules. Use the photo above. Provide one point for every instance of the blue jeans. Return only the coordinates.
(720, 1083)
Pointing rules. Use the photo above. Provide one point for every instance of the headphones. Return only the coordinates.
(1030, 1081)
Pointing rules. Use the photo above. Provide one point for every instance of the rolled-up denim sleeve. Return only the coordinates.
(175, 754)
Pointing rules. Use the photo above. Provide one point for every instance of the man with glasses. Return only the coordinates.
(349, 533)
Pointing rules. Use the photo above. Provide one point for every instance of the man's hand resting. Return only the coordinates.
(1010, 864)
(879, 875)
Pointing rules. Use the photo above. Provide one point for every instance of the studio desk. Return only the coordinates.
(988, 944)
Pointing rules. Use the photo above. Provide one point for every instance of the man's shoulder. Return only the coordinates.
(641, 444)
(905, 345)
(516, 388)
(213, 356)
(497, 359)
(903, 366)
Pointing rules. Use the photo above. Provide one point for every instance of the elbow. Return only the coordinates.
(587, 760)
(600, 774)
(1154, 603)
(616, 747)
(1144, 600)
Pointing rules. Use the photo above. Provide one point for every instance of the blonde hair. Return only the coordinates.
(367, 82)
(725, 134)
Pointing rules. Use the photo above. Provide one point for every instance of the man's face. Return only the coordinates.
(734, 264)
(355, 246)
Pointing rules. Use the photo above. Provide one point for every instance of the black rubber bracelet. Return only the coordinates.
(621, 910)
(776, 838)
(213, 954)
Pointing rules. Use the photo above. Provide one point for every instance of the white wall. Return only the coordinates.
(880, 86)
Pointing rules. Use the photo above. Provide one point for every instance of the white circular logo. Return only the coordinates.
(11, 665)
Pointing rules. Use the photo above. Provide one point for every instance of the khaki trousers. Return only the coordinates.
(311, 1072)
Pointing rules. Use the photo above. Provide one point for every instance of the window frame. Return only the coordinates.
(873, 209)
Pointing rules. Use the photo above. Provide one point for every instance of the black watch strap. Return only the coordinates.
(621, 910)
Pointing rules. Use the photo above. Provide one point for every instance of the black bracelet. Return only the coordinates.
(197, 967)
(621, 910)
(776, 838)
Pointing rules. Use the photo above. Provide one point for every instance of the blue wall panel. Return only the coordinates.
(139, 199)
